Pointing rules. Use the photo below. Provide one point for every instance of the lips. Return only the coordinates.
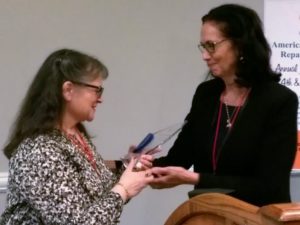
(211, 64)
(210, 67)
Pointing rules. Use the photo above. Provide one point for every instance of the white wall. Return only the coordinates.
(150, 48)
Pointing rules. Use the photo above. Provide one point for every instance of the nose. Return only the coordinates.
(99, 100)
(205, 55)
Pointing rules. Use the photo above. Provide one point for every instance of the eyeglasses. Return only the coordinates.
(99, 90)
(209, 46)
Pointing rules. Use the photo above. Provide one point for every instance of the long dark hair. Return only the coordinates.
(243, 27)
(43, 104)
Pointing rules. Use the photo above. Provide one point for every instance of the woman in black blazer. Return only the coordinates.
(241, 131)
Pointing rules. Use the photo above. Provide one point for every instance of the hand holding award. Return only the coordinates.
(152, 142)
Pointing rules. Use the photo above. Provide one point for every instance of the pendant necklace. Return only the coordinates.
(231, 118)
(229, 124)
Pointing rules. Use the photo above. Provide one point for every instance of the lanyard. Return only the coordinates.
(232, 121)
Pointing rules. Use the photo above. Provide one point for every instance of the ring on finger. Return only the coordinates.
(147, 174)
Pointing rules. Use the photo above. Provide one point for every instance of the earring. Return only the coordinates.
(242, 60)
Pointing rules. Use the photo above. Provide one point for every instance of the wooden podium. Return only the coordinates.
(222, 209)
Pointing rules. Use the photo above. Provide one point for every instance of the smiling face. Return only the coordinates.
(218, 51)
(81, 99)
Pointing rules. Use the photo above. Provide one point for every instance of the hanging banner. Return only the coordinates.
(282, 29)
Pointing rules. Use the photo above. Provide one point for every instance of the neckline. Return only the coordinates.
(83, 146)
(240, 100)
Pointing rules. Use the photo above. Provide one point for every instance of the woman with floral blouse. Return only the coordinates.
(55, 174)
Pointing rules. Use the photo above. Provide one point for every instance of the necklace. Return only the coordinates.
(231, 118)
(214, 148)
(229, 123)
(78, 140)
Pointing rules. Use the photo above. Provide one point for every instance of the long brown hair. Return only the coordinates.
(43, 103)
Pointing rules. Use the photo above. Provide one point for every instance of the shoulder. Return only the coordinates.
(211, 84)
(210, 87)
(273, 91)
(279, 87)
(40, 148)
(45, 142)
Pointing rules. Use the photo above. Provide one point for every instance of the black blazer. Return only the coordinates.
(257, 155)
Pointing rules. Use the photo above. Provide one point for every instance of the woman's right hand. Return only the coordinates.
(171, 176)
(144, 160)
(132, 182)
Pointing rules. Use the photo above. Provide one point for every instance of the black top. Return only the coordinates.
(258, 153)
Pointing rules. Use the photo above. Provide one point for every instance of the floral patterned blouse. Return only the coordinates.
(51, 182)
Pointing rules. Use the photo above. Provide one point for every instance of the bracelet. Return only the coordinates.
(125, 189)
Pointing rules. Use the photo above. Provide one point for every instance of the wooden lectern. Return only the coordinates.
(222, 209)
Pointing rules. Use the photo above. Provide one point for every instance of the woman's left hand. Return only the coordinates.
(144, 162)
